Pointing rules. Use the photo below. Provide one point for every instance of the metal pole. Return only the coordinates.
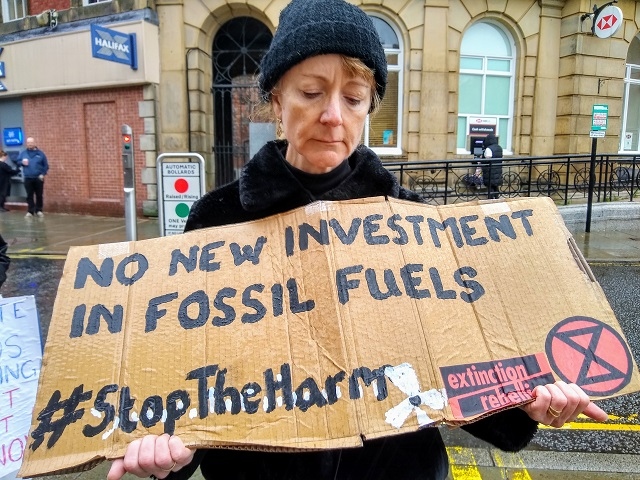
(128, 165)
(130, 214)
(592, 182)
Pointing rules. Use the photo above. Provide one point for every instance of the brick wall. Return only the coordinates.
(80, 134)
(39, 6)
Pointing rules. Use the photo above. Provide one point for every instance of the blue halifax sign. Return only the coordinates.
(114, 46)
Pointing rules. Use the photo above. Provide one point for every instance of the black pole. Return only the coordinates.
(592, 182)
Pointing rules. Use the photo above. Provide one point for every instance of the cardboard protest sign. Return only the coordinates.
(320, 326)
(20, 360)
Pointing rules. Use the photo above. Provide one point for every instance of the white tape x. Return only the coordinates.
(404, 377)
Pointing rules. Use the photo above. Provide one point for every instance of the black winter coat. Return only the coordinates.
(267, 187)
(6, 172)
(4, 260)
(492, 167)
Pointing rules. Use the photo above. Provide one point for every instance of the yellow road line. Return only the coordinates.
(624, 424)
(463, 464)
(519, 473)
(631, 418)
(30, 250)
(620, 427)
(26, 254)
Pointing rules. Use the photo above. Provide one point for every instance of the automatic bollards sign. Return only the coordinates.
(181, 183)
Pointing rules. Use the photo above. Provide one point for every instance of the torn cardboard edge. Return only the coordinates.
(460, 268)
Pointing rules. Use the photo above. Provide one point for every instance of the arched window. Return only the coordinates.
(631, 102)
(486, 85)
(383, 132)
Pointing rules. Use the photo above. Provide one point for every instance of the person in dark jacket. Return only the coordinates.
(4, 261)
(34, 168)
(6, 172)
(321, 88)
(491, 167)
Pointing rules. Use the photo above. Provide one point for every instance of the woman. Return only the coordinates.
(324, 72)
(6, 172)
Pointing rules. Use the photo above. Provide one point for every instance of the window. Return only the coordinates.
(383, 132)
(13, 10)
(91, 2)
(486, 84)
(630, 135)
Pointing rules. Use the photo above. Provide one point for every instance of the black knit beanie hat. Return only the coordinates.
(317, 27)
(489, 140)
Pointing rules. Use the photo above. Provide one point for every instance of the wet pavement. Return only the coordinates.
(54, 233)
(584, 450)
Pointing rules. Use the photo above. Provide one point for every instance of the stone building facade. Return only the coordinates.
(531, 69)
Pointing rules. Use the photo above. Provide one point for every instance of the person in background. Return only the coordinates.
(6, 172)
(324, 72)
(34, 168)
(491, 167)
(4, 261)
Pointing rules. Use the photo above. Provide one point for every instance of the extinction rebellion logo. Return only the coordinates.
(591, 354)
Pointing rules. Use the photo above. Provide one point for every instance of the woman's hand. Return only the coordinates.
(558, 403)
(152, 455)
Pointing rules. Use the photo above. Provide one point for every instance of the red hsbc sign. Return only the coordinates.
(607, 22)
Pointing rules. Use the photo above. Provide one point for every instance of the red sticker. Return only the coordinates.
(483, 387)
(181, 185)
(591, 354)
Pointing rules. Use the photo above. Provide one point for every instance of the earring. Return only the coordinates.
(279, 129)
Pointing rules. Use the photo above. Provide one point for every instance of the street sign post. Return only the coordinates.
(599, 120)
(180, 184)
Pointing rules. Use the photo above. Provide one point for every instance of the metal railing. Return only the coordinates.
(564, 178)
(229, 160)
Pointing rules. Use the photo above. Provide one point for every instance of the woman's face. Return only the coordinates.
(323, 111)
